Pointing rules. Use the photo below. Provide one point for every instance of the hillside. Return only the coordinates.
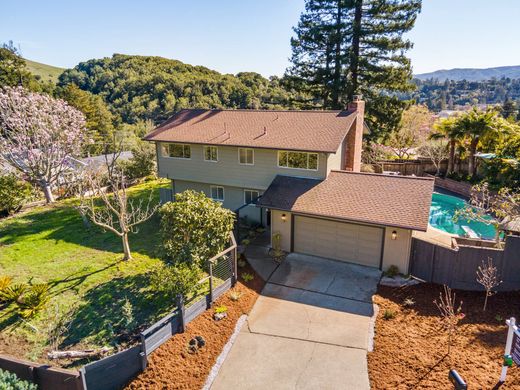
(472, 74)
(45, 72)
(152, 88)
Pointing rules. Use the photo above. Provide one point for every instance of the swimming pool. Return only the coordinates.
(443, 210)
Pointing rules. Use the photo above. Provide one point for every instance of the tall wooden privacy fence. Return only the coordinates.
(115, 371)
(457, 266)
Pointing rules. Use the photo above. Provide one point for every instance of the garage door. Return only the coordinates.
(338, 240)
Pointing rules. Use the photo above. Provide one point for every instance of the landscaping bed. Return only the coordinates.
(172, 366)
(410, 346)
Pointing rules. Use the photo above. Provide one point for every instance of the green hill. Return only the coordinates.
(46, 72)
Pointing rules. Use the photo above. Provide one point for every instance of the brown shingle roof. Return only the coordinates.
(317, 131)
(399, 201)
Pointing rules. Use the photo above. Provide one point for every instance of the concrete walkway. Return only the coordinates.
(309, 329)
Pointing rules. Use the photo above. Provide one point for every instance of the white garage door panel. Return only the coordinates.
(337, 240)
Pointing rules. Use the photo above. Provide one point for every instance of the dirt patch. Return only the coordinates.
(172, 367)
(410, 349)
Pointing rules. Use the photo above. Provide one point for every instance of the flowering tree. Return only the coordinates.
(38, 136)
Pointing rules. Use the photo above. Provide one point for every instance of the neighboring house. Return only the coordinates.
(305, 168)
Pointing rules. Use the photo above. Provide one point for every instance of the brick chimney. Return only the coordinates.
(354, 140)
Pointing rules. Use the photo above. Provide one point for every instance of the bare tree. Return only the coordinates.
(492, 209)
(451, 314)
(437, 151)
(106, 203)
(487, 276)
(373, 155)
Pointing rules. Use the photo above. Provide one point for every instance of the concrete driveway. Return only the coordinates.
(309, 329)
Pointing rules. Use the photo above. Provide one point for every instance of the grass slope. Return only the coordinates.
(46, 72)
(84, 270)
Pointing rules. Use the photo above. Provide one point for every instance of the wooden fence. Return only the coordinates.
(418, 167)
(115, 371)
(457, 266)
(44, 376)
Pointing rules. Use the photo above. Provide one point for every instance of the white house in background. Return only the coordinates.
(298, 173)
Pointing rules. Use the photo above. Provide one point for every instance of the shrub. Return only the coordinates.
(408, 302)
(10, 381)
(392, 271)
(247, 277)
(33, 301)
(221, 309)
(12, 292)
(194, 228)
(5, 281)
(389, 314)
(176, 279)
(142, 163)
(235, 295)
(13, 194)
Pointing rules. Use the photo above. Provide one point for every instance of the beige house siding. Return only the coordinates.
(336, 161)
(397, 252)
(284, 228)
(227, 170)
(233, 197)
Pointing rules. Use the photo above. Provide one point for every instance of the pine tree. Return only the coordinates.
(320, 47)
(348, 47)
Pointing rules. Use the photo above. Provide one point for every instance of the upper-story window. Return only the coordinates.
(246, 156)
(298, 160)
(176, 150)
(210, 153)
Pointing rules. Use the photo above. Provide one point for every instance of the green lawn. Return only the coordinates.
(84, 269)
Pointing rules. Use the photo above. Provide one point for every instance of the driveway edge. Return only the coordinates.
(225, 351)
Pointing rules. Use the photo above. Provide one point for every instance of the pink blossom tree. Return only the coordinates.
(39, 135)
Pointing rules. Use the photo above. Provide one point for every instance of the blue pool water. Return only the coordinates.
(443, 210)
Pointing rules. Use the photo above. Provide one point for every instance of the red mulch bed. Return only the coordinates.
(410, 349)
(172, 367)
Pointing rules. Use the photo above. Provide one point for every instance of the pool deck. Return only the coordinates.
(435, 235)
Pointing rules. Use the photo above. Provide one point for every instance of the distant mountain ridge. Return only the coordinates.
(472, 74)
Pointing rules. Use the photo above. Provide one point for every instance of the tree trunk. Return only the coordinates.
(497, 236)
(471, 160)
(126, 247)
(337, 59)
(47, 192)
(451, 160)
(354, 59)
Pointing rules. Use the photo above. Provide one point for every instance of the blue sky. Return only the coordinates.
(244, 35)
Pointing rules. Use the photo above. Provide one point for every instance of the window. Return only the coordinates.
(250, 196)
(210, 153)
(176, 150)
(298, 160)
(246, 156)
(217, 193)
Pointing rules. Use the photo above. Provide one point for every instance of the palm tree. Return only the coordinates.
(448, 128)
(474, 125)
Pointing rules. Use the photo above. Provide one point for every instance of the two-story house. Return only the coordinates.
(304, 168)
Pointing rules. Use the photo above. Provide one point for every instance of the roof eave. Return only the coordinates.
(241, 146)
(353, 220)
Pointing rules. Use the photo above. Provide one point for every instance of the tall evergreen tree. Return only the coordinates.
(348, 47)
